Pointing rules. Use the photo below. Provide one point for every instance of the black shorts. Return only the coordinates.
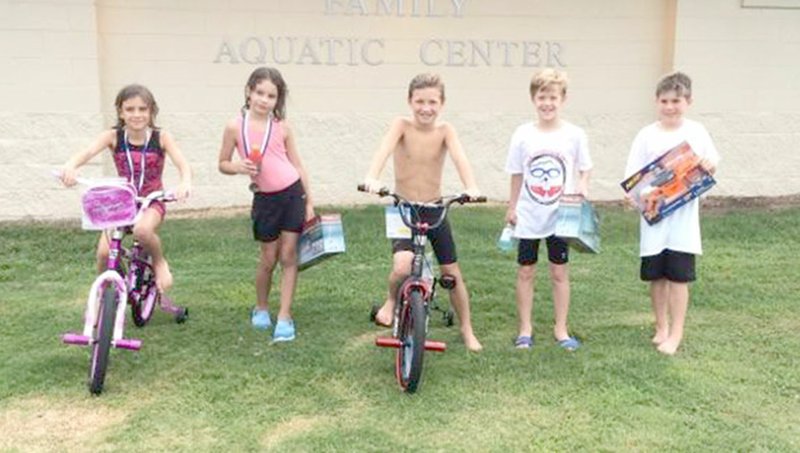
(274, 212)
(528, 251)
(669, 264)
(441, 238)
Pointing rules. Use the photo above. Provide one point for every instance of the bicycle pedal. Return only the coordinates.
(130, 344)
(388, 342)
(76, 339)
(447, 282)
(436, 346)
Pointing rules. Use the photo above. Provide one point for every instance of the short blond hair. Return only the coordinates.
(549, 77)
(426, 80)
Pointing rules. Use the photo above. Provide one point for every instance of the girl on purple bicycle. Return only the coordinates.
(138, 148)
(268, 154)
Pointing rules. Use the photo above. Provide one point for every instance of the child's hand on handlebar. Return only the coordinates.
(68, 176)
(472, 192)
(372, 185)
(182, 192)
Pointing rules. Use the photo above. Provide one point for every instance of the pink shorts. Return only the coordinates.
(159, 206)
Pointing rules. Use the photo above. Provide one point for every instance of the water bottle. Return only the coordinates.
(506, 241)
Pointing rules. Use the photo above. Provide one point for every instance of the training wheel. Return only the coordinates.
(182, 316)
(448, 318)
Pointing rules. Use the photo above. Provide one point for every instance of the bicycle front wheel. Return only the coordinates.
(104, 331)
(412, 342)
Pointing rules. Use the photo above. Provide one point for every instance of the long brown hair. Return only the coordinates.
(274, 76)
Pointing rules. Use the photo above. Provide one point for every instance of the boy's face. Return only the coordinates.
(426, 103)
(671, 108)
(548, 101)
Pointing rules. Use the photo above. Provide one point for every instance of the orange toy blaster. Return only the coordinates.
(667, 183)
(670, 182)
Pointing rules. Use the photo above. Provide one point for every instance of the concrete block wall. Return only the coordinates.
(50, 106)
(348, 64)
(744, 65)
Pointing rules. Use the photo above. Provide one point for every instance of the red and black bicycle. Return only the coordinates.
(415, 295)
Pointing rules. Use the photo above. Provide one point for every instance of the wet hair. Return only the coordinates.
(274, 76)
(426, 80)
(676, 81)
(132, 91)
(546, 78)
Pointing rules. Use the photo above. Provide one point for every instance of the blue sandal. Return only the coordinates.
(523, 342)
(570, 343)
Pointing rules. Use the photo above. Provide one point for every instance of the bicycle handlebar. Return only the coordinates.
(443, 202)
(156, 195)
(460, 198)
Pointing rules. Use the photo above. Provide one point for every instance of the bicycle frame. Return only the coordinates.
(122, 285)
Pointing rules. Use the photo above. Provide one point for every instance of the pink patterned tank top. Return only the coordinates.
(142, 165)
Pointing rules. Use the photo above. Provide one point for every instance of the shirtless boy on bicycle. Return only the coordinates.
(419, 145)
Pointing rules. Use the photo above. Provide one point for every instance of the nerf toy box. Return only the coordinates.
(322, 237)
(578, 224)
(667, 183)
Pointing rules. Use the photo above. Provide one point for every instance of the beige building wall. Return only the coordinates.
(348, 63)
(744, 56)
(49, 101)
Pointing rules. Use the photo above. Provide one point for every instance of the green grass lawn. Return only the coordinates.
(214, 384)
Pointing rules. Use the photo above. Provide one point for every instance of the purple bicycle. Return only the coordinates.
(112, 205)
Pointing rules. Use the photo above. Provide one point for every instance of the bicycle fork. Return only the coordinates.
(92, 309)
(395, 342)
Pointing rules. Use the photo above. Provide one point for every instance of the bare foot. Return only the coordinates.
(385, 315)
(472, 344)
(163, 276)
(668, 347)
(659, 338)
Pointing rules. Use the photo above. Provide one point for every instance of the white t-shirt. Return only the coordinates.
(548, 162)
(680, 231)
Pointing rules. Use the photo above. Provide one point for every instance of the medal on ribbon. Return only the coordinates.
(253, 153)
(129, 158)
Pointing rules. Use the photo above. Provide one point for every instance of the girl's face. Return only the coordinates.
(263, 98)
(426, 103)
(135, 113)
(671, 108)
(548, 102)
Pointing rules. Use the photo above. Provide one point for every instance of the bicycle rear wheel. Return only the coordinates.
(102, 338)
(411, 334)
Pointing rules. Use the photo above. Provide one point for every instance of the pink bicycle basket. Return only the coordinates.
(109, 206)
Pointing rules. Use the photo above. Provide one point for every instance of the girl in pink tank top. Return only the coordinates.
(267, 154)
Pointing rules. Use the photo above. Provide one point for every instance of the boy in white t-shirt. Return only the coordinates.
(546, 159)
(668, 248)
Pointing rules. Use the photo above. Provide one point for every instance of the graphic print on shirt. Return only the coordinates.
(544, 178)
